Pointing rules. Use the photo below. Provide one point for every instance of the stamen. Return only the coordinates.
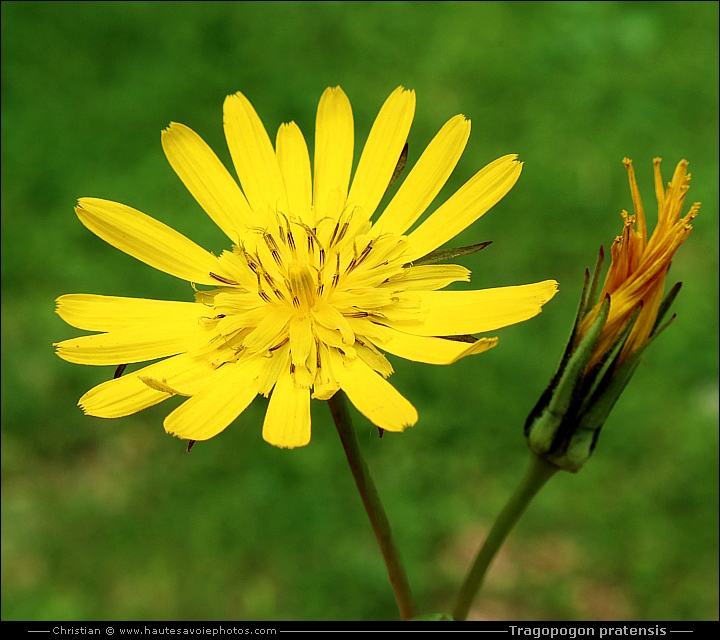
(273, 286)
(290, 240)
(272, 245)
(310, 241)
(279, 344)
(353, 262)
(335, 230)
(366, 251)
(345, 227)
(320, 285)
(268, 278)
(248, 259)
(261, 292)
(224, 280)
(336, 277)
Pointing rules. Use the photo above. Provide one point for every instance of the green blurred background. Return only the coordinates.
(113, 520)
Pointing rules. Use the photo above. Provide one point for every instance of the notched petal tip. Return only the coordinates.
(411, 422)
(172, 127)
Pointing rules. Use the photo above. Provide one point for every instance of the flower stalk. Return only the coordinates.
(373, 506)
(539, 472)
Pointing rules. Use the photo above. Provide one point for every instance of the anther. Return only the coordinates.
(320, 285)
(290, 240)
(335, 230)
(336, 277)
(248, 259)
(278, 345)
(223, 280)
(261, 292)
(273, 285)
(345, 227)
(311, 237)
(366, 252)
(272, 245)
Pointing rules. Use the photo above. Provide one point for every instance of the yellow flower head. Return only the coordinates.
(311, 291)
(639, 266)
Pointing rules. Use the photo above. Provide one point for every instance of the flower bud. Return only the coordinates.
(609, 336)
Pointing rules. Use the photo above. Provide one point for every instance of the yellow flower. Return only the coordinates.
(311, 290)
(639, 266)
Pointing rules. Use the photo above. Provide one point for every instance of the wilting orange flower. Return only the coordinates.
(312, 289)
(640, 265)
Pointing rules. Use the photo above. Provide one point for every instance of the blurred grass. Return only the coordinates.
(111, 519)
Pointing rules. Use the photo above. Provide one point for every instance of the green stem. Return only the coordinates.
(373, 506)
(537, 475)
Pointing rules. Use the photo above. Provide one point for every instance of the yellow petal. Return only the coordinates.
(372, 395)
(253, 156)
(334, 141)
(207, 179)
(373, 358)
(148, 240)
(206, 414)
(110, 313)
(426, 179)
(328, 336)
(136, 344)
(287, 421)
(378, 333)
(329, 317)
(433, 350)
(267, 334)
(428, 277)
(483, 191)
(273, 365)
(382, 150)
(363, 298)
(128, 394)
(326, 385)
(301, 339)
(294, 160)
(448, 313)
